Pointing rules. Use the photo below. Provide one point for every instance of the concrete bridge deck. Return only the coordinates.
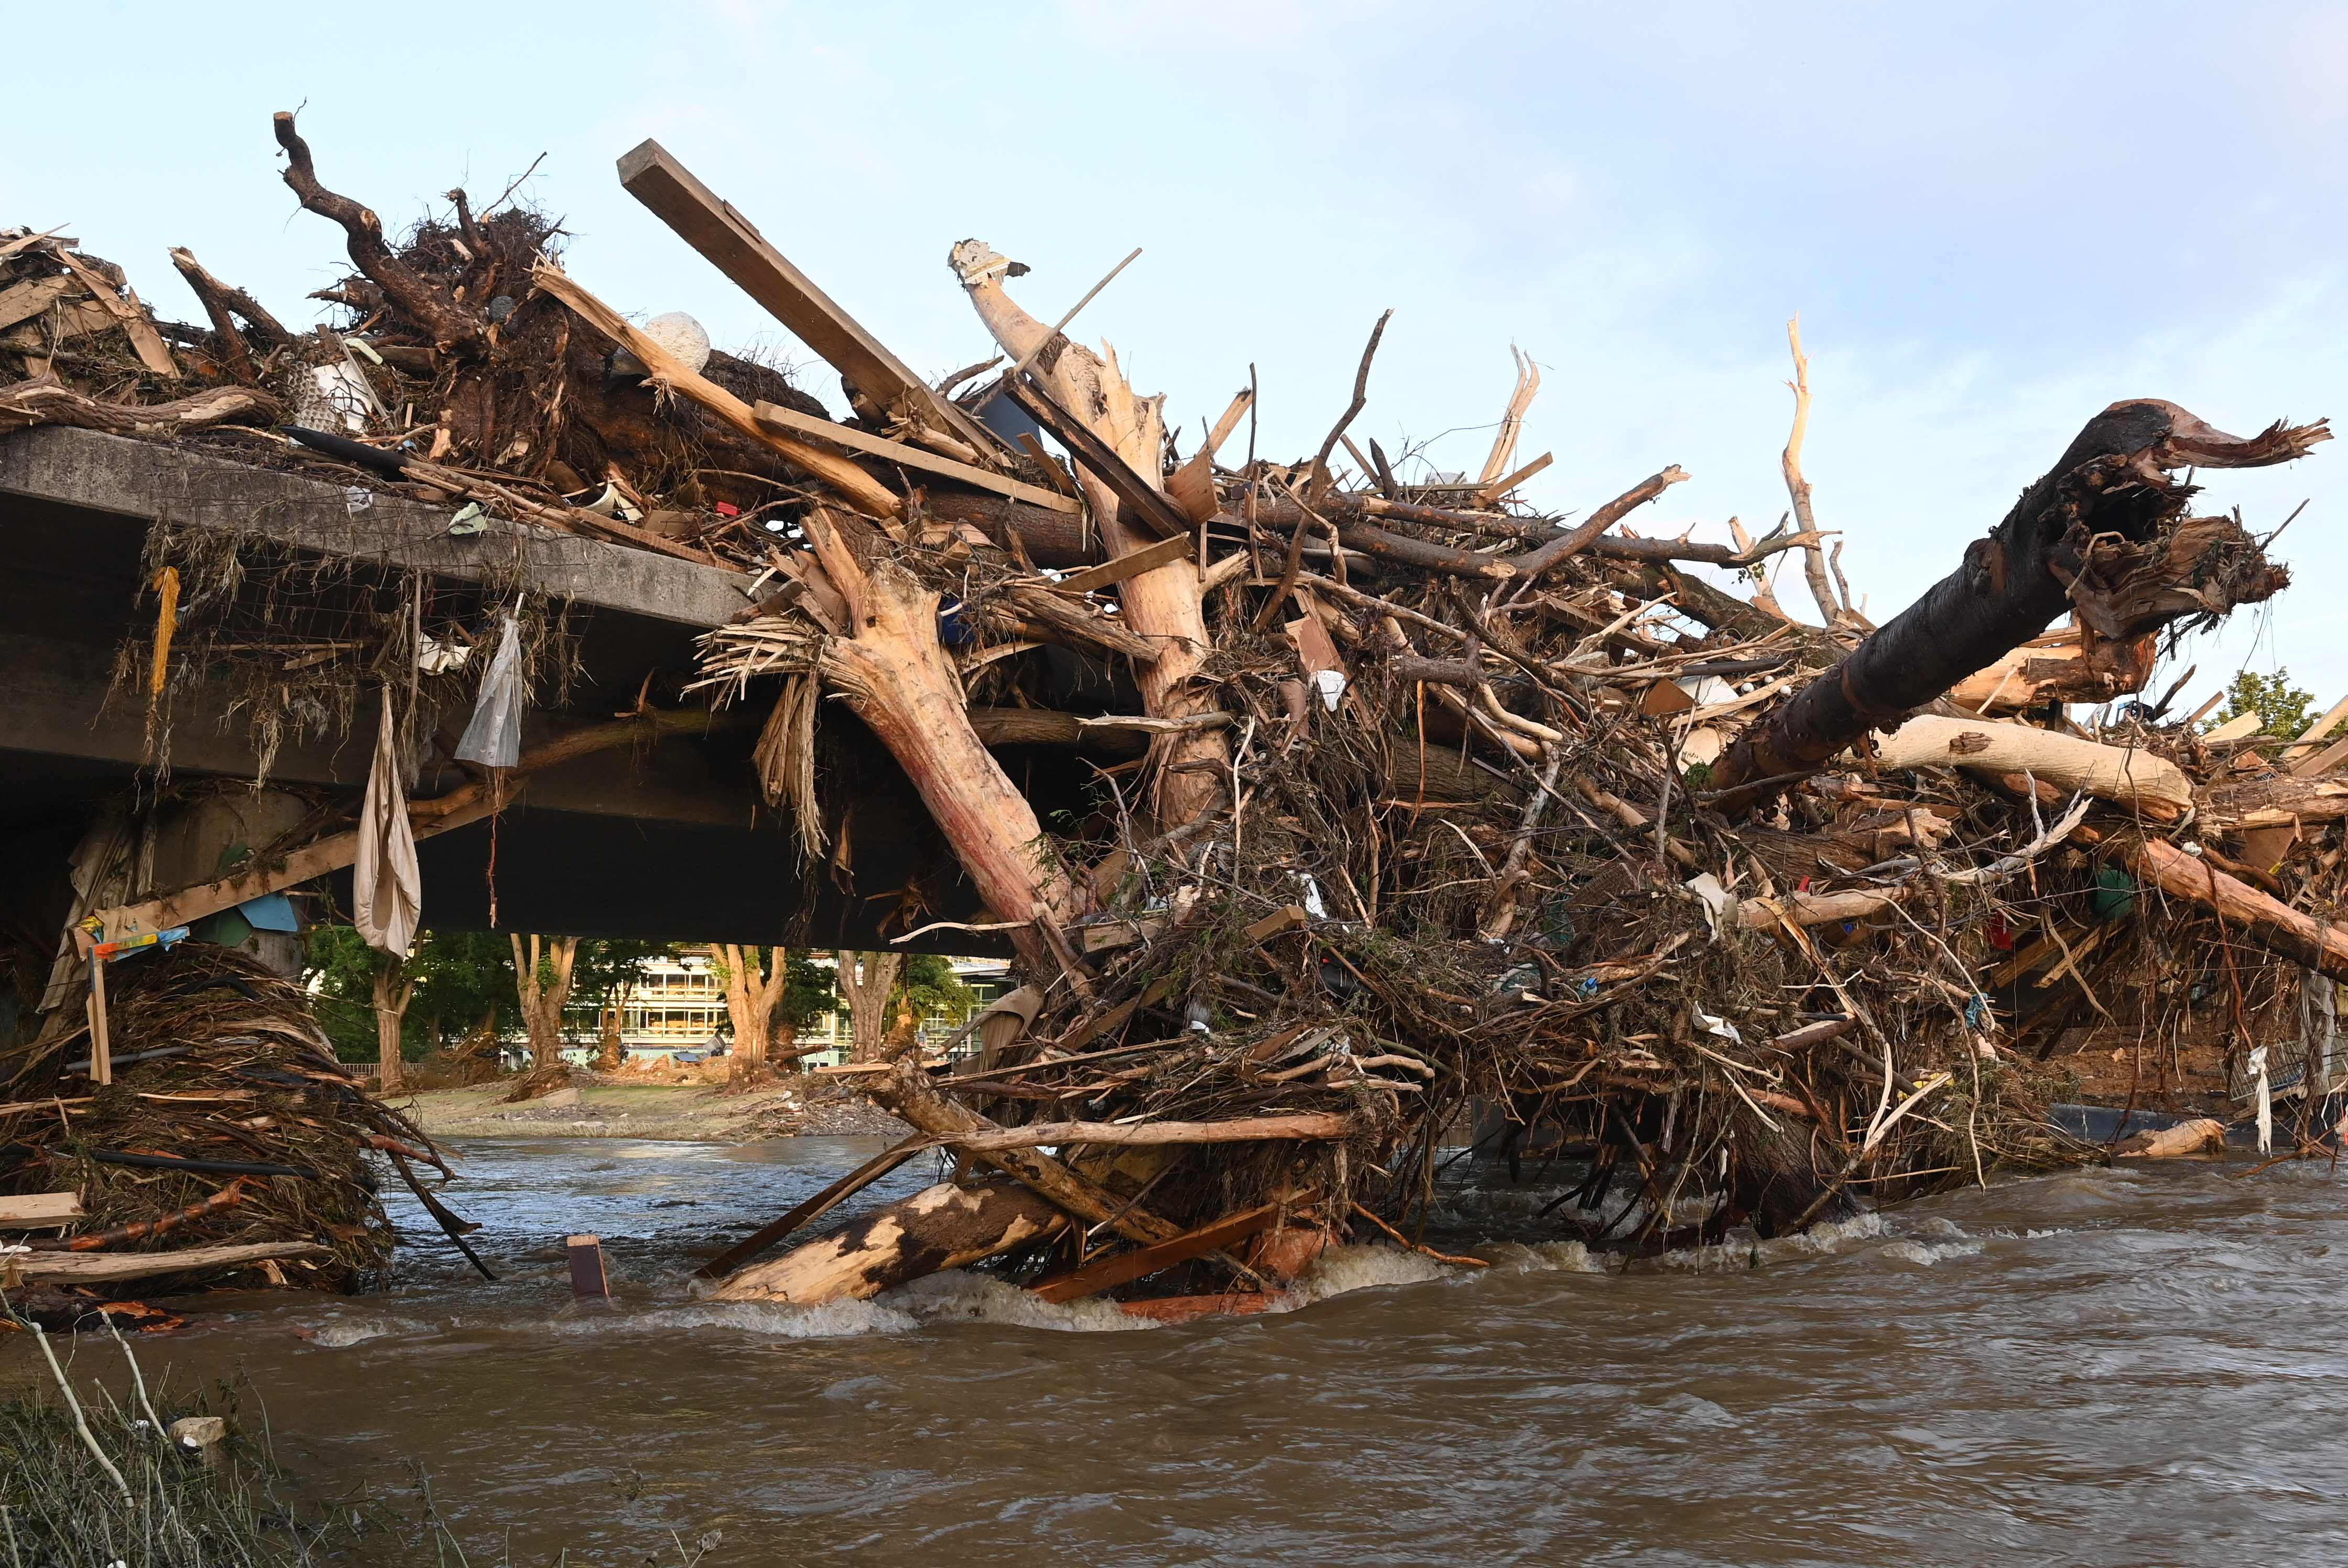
(666, 840)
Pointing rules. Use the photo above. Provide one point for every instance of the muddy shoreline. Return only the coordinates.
(684, 1113)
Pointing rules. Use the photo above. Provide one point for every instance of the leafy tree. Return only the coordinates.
(928, 983)
(464, 981)
(2283, 711)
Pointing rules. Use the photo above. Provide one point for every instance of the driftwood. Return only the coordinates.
(941, 1227)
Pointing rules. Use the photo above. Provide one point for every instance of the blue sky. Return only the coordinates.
(1994, 219)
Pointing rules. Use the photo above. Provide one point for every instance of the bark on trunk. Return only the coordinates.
(2314, 944)
(542, 997)
(1163, 604)
(944, 1227)
(899, 680)
(393, 990)
(865, 981)
(2100, 532)
(751, 997)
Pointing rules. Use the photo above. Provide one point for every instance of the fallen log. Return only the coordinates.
(941, 1227)
(2314, 944)
(1307, 1126)
(46, 400)
(2128, 775)
(1126, 1267)
(90, 1268)
(2093, 535)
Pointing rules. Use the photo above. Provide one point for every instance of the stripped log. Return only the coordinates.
(2313, 943)
(1165, 603)
(2128, 775)
(941, 1227)
(90, 1268)
(1307, 1126)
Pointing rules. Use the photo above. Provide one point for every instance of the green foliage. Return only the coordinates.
(811, 993)
(459, 975)
(929, 983)
(2283, 711)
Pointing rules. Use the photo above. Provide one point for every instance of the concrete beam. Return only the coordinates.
(149, 481)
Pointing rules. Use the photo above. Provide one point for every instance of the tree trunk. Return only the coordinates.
(899, 680)
(542, 999)
(751, 998)
(392, 991)
(944, 1227)
(865, 981)
(2103, 534)
(1163, 604)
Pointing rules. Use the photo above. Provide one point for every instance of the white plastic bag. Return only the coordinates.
(493, 736)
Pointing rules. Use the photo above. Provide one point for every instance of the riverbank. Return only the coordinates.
(683, 1113)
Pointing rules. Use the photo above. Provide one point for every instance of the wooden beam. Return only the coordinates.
(1107, 1273)
(1144, 505)
(732, 244)
(814, 1209)
(777, 417)
(38, 1211)
(830, 467)
(82, 1268)
(1174, 547)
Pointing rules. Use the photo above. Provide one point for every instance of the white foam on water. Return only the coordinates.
(1927, 1254)
(1541, 1257)
(1362, 1267)
(766, 1320)
(1819, 1241)
(347, 1331)
(956, 1297)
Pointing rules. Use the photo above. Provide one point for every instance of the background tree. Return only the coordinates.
(463, 981)
(2283, 711)
(928, 983)
(754, 993)
(810, 994)
(868, 982)
(344, 969)
(542, 977)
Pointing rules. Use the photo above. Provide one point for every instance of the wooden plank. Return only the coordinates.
(1309, 1126)
(1174, 547)
(30, 298)
(131, 315)
(779, 418)
(830, 467)
(89, 1267)
(1095, 1277)
(1492, 492)
(590, 1280)
(1145, 506)
(38, 1211)
(732, 244)
(1288, 917)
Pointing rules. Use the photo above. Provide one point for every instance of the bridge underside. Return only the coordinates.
(669, 840)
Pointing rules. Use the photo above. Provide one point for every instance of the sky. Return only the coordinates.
(1993, 219)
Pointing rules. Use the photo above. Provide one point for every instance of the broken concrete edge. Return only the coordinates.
(158, 482)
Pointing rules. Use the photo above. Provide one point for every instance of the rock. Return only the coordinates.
(197, 1433)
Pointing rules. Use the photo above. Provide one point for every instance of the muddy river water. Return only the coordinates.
(2135, 1366)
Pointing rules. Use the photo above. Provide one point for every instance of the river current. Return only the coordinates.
(2124, 1366)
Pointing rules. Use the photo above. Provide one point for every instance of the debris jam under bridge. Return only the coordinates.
(1331, 807)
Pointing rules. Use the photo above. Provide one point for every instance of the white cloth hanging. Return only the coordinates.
(387, 885)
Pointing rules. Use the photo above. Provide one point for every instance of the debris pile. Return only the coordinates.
(1412, 815)
(229, 1142)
